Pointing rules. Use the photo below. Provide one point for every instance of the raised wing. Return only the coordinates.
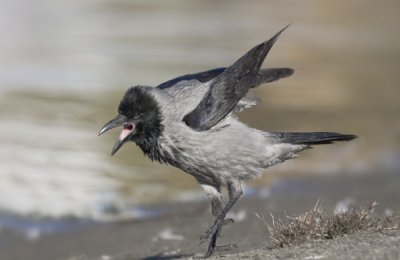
(201, 77)
(271, 75)
(264, 76)
(229, 87)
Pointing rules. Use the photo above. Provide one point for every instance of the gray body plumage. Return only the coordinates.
(189, 122)
(230, 150)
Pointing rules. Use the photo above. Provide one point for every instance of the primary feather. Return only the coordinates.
(229, 87)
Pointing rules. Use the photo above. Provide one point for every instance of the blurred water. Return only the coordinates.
(65, 64)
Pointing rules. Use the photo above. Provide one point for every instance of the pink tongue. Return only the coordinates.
(125, 132)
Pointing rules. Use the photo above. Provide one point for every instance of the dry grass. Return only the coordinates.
(318, 224)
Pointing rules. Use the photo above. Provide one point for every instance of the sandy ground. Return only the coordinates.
(176, 233)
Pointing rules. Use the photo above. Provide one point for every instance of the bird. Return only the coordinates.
(190, 122)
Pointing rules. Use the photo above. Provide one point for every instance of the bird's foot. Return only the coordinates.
(226, 222)
(212, 231)
(215, 229)
(212, 234)
(211, 249)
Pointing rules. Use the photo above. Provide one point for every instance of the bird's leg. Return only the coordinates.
(217, 205)
(235, 191)
(217, 202)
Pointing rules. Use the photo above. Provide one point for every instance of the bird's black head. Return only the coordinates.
(139, 114)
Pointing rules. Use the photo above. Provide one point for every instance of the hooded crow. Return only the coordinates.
(188, 122)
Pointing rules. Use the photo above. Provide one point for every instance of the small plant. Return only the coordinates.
(318, 224)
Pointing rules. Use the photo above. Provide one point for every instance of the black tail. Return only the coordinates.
(313, 137)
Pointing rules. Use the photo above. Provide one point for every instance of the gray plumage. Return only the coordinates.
(188, 122)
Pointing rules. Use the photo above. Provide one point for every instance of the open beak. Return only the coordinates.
(128, 130)
(118, 121)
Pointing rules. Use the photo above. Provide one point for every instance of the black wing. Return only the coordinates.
(271, 75)
(229, 87)
(201, 76)
(264, 76)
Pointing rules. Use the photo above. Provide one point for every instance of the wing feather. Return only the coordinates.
(229, 87)
(202, 77)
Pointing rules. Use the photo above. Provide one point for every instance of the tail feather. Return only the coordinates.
(313, 137)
